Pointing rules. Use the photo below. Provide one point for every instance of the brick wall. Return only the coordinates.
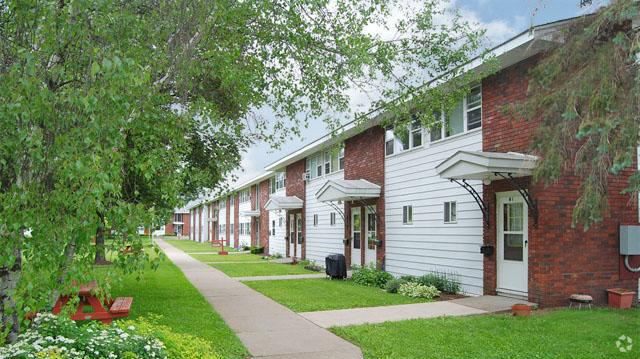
(296, 186)
(264, 216)
(186, 227)
(562, 260)
(364, 159)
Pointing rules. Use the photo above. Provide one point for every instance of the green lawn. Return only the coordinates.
(228, 258)
(260, 269)
(307, 295)
(194, 247)
(168, 293)
(566, 334)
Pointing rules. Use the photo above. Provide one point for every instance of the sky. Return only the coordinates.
(502, 19)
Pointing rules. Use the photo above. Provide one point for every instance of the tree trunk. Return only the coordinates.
(9, 278)
(100, 248)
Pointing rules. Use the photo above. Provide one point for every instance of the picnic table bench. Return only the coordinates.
(104, 312)
(215, 242)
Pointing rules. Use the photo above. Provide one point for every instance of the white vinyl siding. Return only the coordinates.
(222, 218)
(277, 242)
(429, 244)
(245, 221)
(324, 239)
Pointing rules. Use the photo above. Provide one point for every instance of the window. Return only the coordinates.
(315, 220)
(326, 162)
(280, 222)
(407, 215)
(232, 200)
(389, 139)
(223, 204)
(177, 217)
(341, 158)
(319, 167)
(231, 229)
(332, 218)
(465, 116)
(244, 196)
(403, 140)
(273, 227)
(450, 213)
(279, 181)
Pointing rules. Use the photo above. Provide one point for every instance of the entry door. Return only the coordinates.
(299, 236)
(292, 235)
(356, 236)
(371, 226)
(513, 242)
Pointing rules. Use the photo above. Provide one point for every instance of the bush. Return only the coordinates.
(371, 277)
(246, 248)
(443, 282)
(416, 290)
(257, 250)
(393, 285)
(59, 337)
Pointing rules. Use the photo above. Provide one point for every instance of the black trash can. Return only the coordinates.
(336, 266)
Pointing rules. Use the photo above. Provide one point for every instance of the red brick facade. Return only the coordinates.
(364, 159)
(264, 216)
(186, 230)
(562, 260)
(296, 186)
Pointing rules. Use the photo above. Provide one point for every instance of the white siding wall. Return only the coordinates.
(429, 244)
(245, 240)
(203, 225)
(277, 243)
(232, 220)
(192, 226)
(323, 239)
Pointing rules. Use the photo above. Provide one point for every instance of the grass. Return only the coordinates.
(307, 295)
(566, 334)
(228, 258)
(189, 246)
(168, 293)
(259, 269)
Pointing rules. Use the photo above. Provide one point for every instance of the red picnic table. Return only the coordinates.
(118, 308)
(215, 242)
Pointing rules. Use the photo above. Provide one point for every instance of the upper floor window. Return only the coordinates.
(177, 217)
(223, 204)
(398, 141)
(326, 162)
(244, 196)
(465, 116)
(279, 181)
(232, 200)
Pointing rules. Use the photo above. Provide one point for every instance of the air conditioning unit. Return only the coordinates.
(306, 175)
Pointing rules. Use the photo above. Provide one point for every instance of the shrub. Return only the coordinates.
(371, 277)
(409, 278)
(276, 256)
(443, 282)
(59, 337)
(416, 290)
(257, 250)
(246, 248)
(393, 285)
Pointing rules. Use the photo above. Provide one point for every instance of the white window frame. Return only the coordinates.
(321, 164)
(273, 227)
(407, 214)
(396, 148)
(465, 117)
(315, 220)
(450, 209)
(332, 219)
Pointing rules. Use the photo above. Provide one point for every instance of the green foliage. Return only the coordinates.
(417, 290)
(371, 277)
(585, 95)
(60, 337)
(257, 250)
(177, 346)
(393, 285)
(443, 282)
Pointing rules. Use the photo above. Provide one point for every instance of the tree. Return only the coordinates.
(585, 95)
(118, 111)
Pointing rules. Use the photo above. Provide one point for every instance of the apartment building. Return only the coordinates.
(179, 224)
(457, 198)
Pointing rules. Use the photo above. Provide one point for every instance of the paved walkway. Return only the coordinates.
(266, 328)
(453, 308)
(282, 277)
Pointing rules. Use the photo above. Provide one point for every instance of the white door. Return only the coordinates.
(513, 241)
(356, 236)
(371, 226)
(292, 235)
(299, 236)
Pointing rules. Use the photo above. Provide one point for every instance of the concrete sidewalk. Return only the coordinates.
(453, 308)
(282, 277)
(266, 328)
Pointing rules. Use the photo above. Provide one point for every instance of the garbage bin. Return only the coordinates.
(336, 266)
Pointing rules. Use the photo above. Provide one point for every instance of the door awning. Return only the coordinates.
(282, 202)
(255, 213)
(478, 165)
(347, 190)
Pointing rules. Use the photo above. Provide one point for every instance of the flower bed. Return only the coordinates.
(58, 337)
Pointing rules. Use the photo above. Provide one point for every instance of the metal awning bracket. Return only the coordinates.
(525, 193)
(337, 209)
(477, 197)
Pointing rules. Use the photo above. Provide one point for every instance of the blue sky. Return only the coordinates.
(502, 19)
